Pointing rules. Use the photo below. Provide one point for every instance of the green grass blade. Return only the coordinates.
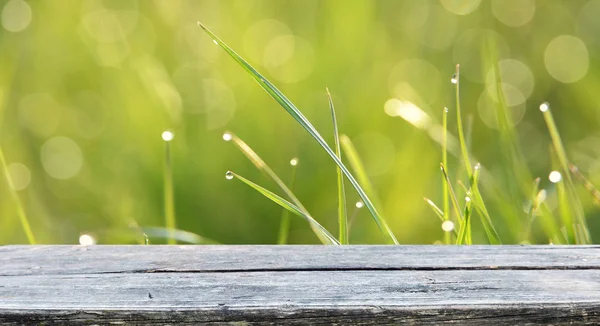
(320, 231)
(586, 183)
(571, 200)
(169, 199)
(452, 193)
(464, 235)
(477, 199)
(19, 206)
(534, 207)
(342, 214)
(446, 200)
(438, 212)
(303, 121)
(263, 167)
(358, 167)
(284, 227)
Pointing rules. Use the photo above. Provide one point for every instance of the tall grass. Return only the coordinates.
(284, 226)
(169, 198)
(454, 210)
(18, 205)
(303, 121)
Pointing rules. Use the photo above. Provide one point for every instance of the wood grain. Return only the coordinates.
(289, 285)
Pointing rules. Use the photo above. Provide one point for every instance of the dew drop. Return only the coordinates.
(294, 161)
(448, 226)
(544, 107)
(467, 199)
(215, 41)
(229, 175)
(227, 136)
(446, 110)
(554, 176)
(454, 79)
(87, 240)
(477, 166)
(167, 135)
(360, 204)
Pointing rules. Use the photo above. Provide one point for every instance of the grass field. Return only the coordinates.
(120, 119)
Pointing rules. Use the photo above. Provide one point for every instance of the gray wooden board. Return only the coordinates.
(371, 285)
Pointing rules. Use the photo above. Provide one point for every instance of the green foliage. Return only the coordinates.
(87, 89)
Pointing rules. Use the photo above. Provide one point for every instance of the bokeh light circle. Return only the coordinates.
(289, 58)
(422, 24)
(20, 176)
(566, 58)
(460, 7)
(487, 106)
(514, 73)
(513, 13)
(258, 36)
(16, 15)
(61, 158)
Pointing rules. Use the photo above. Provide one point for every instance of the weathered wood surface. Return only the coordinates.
(370, 285)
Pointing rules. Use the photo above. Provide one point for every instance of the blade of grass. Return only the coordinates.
(19, 206)
(571, 200)
(303, 121)
(565, 212)
(586, 183)
(342, 214)
(284, 227)
(486, 220)
(548, 222)
(476, 196)
(168, 188)
(534, 207)
(263, 167)
(320, 231)
(452, 194)
(464, 236)
(446, 212)
(438, 212)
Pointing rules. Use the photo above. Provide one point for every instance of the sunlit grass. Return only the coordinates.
(285, 103)
(342, 214)
(284, 226)
(569, 205)
(319, 230)
(17, 201)
(169, 200)
(569, 202)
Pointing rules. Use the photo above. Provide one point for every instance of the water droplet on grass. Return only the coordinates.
(360, 204)
(167, 135)
(227, 136)
(87, 240)
(294, 161)
(454, 79)
(544, 107)
(229, 175)
(554, 176)
(448, 226)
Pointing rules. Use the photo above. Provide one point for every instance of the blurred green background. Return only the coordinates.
(87, 87)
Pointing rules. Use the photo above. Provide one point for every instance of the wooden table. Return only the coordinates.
(285, 285)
